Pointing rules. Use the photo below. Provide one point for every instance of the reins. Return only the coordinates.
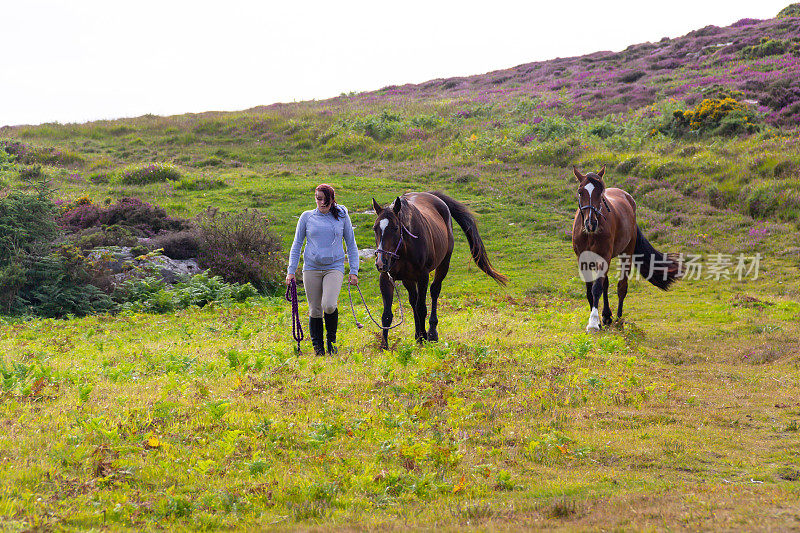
(297, 327)
(403, 229)
(359, 325)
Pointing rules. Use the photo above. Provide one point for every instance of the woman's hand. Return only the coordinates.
(353, 279)
(289, 279)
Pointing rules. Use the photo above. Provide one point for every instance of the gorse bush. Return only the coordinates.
(241, 248)
(768, 47)
(713, 116)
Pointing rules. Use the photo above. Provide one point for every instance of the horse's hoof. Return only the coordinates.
(592, 328)
(433, 338)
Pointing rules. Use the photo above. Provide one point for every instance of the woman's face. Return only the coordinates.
(320, 199)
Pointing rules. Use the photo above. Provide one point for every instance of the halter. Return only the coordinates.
(399, 243)
(594, 209)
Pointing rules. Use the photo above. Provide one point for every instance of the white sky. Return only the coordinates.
(80, 60)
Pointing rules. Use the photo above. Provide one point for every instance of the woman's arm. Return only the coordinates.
(297, 244)
(352, 247)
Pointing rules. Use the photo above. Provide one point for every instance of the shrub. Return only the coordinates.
(351, 144)
(425, 121)
(27, 220)
(31, 173)
(152, 173)
(379, 127)
(765, 47)
(152, 295)
(760, 199)
(147, 218)
(144, 218)
(212, 161)
(12, 279)
(202, 184)
(557, 154)
(64, 283)
(628, 165)
(95, 237)
(241, 248)
(715, 116)
(631, 76)
(604, 130)
(27, 154)
(792, 10)
(548, 128)
(177, 245)
(80, 216)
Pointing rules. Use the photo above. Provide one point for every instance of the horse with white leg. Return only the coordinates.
(605, 227)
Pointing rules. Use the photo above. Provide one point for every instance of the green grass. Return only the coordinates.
(207, 419)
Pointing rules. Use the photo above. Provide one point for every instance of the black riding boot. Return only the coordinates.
(315, 331)
(331, 323)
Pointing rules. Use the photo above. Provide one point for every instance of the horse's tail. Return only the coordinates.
(662, 270)
(466, 220)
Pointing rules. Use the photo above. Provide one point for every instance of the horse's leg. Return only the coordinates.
(622, 290)
(594, 316)
(436, 288)
(387, 293)
(422, 307)
(589, 296)
(607, 315)
(413, 297)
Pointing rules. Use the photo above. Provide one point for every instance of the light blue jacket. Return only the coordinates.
(324, 235)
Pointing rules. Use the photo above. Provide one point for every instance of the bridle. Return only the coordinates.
(403, 229)
(593, 209)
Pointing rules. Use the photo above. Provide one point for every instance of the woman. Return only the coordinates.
(323, 229)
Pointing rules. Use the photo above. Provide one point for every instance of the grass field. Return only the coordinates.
(686, 418)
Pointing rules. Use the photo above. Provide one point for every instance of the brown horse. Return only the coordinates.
(414, 236)
(605, 227)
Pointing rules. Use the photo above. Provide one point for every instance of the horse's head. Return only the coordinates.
(591, 199)
(388, 230)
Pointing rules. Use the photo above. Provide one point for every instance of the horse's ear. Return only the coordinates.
(376, 207)
(602, 171)
(580, 177)
(397, 205)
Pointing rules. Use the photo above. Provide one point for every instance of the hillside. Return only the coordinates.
(758, 58)
(203, 417)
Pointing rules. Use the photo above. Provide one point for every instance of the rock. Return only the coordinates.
(125, 266)
(366, 254)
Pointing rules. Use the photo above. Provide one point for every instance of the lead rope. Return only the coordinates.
(359, 325)
(297, 326)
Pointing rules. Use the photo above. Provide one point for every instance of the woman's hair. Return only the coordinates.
(330, 198)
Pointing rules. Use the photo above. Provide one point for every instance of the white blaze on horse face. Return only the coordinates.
(589, 188)
(383, 224)
(594, 321)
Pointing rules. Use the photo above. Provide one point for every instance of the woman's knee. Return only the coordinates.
(329, 307)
